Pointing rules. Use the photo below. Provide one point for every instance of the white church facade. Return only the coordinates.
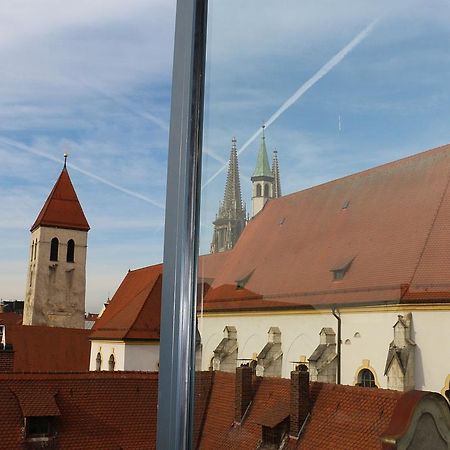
(351, 277)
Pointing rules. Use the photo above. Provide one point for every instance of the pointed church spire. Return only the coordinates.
(230, 220)
(262, 168)
(232, 199)
(62, 208)
(276, 176)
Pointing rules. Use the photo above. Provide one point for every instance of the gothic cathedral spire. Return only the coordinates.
(230, 220)
(276, 175)
(55, 291)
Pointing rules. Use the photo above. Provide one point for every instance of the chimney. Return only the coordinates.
(300, 401)
(243, 391)
(6, 358)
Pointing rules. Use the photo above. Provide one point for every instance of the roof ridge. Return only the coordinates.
(363, 172)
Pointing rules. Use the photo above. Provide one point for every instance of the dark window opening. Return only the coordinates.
(366, 378)
(98, 362)
(258, 190)
(266, 190)
(54, 245)
(111, 363)
(70, 250)
(39, 427)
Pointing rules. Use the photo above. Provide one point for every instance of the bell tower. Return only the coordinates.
(56, 281)
(262, 179)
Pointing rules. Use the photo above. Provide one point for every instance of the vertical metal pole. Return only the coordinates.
(177, 340)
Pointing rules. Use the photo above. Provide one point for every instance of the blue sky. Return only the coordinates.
(93, 79)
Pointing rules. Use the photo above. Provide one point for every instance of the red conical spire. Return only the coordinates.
(62, 208)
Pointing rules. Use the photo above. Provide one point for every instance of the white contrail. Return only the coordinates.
(305, 87)
(125, 104)
(27, 148)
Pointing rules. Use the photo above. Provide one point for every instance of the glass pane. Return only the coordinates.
(90, 80)
(324, 222)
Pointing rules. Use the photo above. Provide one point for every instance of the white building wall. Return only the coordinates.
(106, 349)
(127, 356)
(144, 357)
(368, 333)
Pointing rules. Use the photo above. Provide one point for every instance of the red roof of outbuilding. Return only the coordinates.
(62, 208)
(134, 311)
(48, 349)
(392, 222)
(96, 410)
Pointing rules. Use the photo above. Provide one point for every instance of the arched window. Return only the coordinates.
(366, 378)
(266, 190)
(258, 190)
(111, 363)
(70, 250)
(54, 249)
(98, 362)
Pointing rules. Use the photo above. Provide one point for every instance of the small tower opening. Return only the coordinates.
(266, 190)
(258, 190)
(70, 250)
(54, 247)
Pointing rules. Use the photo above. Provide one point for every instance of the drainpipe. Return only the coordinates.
(337, 314)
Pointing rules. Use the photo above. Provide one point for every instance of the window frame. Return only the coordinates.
(178, 310)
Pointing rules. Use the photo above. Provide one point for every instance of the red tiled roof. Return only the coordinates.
(62, 208)
(48, 349)
(36, 405)
(396, 231)
(99, 410)
(108, 410)
(342, 417)
(10, 318)
(134, 311)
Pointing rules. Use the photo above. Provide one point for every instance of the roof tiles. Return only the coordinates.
(62, 208)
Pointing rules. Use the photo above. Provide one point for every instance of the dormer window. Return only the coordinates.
(240, 284)
(340, 270)
(39, 428)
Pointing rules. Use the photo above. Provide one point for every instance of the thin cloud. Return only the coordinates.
(40, 153)
(305, 87)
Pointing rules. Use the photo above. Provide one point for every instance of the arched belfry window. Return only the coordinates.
(98, 362)
(266, 190)
(366, 378)
(111, 363)
(70, 250)
(258, 190)
(54, 249)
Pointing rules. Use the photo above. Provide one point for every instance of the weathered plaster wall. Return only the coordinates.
(55, 290)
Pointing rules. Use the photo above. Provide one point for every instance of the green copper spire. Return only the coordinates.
(262, 168)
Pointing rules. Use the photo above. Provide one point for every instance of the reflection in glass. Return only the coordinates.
(343, 240)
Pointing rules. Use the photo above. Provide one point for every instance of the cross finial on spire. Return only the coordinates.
(263, 126)
(233, 142)
(65, 159)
